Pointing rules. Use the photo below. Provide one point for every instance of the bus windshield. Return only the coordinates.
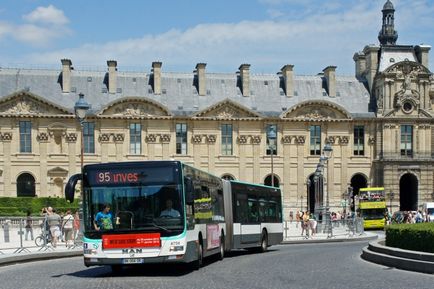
(372, 214)
(133, 199)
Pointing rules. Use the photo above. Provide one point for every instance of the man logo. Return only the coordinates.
(131, 251)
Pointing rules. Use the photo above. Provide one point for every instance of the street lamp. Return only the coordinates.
(80, 108)
(327, 153)
(308, 182)
(391, 197)
(271, 135)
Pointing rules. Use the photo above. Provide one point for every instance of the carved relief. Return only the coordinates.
(242, 139)
(42, 137)
(286, 139)
(135, 109)
(118, 137)
(343, 140)
(211, 138)
(371, 140)
(227, 109)
(151, 138)
(165, 138)
(300, 139)
(71, 137)
(26, 105)
(256, 139)
(104, 137)
(6, 136)
(316, 111)
(330, 139)
(197, 138)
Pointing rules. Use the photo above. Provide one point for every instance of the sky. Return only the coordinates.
(267, 34)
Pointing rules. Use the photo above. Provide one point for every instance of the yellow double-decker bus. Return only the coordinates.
(372, 206)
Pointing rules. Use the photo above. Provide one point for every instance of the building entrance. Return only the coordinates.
(408, 192)
(358, 181)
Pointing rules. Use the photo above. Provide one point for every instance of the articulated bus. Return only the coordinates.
(168, 211)
(372, 205)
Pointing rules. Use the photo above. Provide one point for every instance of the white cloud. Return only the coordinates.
(47, 15)
(46, 24)
(311, 43)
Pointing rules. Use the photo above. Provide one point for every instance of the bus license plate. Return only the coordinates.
(133, 261)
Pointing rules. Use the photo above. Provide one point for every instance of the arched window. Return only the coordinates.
(25, 185)
(228, 177)
(267, 181)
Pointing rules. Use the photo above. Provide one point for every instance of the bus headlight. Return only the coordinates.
(176, 248)
(89, 251)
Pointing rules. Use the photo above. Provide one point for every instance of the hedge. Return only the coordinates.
(19, 206)
(415, 237)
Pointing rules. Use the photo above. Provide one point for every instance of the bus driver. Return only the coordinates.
(169, 211)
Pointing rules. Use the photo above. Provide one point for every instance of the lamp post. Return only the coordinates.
(308, 182)
(80, 108)
(391, 197)
(271, 135)
(327, 153)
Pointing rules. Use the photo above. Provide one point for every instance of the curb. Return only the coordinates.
(408, 260)
(11, 260)
(332, 240)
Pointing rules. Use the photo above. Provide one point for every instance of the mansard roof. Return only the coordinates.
(179, 92)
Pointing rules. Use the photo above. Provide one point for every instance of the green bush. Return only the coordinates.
(19, 206)
(415, 237)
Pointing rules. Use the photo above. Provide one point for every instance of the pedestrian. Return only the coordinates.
(76, 224)
(312, 223)
(54, 222)
(68, 221)
(29, 226)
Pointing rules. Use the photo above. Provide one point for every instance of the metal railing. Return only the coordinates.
(17, 237)
(347, 228)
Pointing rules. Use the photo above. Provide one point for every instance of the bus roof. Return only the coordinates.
(371, 189)
(253, 184)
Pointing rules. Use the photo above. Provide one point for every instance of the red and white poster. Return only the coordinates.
(213, 236)
(131, 241)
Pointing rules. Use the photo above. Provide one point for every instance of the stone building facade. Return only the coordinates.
(379, 123)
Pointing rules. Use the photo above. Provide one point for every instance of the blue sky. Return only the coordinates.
(310, 34)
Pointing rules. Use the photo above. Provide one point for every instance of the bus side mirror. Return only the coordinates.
(70, 187)
(189, 195)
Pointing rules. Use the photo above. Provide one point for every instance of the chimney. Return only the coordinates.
(360, 60)
(156, 74)
(371, 53)
(245, 79)
(200, 72)
(330, 76)
(66, 75)
(288, 78)
(422, 52)
(112, 75)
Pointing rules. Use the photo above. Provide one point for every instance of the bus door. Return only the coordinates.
(251, 229)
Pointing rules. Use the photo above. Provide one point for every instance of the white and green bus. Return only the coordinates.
(168, 211)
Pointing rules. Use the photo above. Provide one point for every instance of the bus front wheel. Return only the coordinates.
(199, 262)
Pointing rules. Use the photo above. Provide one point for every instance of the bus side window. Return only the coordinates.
(253, 211)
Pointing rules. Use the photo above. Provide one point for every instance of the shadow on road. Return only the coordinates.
(154, 270)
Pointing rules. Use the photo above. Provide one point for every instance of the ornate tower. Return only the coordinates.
(388, 35)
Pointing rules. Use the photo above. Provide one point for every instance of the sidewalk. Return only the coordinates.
(339, 233)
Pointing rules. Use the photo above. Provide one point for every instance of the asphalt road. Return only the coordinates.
(329, 265)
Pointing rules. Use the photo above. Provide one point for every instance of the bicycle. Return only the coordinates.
(39, 240)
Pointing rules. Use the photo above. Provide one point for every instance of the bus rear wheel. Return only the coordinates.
(222, 247)
(264, 242)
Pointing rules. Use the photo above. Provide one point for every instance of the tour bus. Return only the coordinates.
(372, 205)
(168, 211)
